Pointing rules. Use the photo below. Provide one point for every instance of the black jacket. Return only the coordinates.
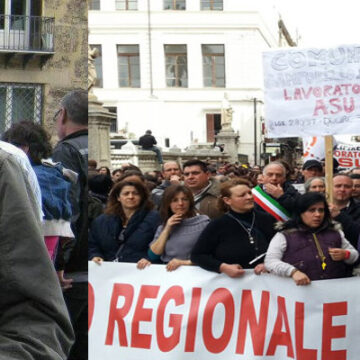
(286, 200)
(147, 141)
(349, 218)
(140, 231)
(224, 240)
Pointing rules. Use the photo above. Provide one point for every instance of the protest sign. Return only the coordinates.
(310, 92)
(193, 314)
(347, 155)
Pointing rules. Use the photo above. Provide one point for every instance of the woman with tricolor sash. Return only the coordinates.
(310, 246)
(237, 240)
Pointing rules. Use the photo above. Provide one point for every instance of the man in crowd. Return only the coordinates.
(116, 175)
(275, 185)
(34, 322)
(312, 168)
(171, 174)
(345, 209)
(72, 151)
(356, 186)
(148, 142)
(204, 189)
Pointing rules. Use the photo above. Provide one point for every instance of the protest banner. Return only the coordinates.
(347, 155)
(192, 314)
(311, 92)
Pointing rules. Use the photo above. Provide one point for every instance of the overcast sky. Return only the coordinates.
(322, 23)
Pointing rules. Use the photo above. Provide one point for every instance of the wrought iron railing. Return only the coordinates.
(27, 33)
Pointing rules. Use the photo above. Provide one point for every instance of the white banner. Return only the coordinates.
(347, 155)
(193, 314)
(310, 92)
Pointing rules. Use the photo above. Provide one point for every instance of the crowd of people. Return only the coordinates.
(228, 217)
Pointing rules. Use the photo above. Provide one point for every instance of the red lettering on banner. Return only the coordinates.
(349, 108)
(117, 314)
(297, 94)
(344, 162)
(279, 337)
(192, 320)
(286, 96)
(257, 328)
(320, 105)
(219, 296)
(334, 102)
(91, 304)
(330, 332)
(301, 353)
(138, 340)
(337, 91)
(167, 343)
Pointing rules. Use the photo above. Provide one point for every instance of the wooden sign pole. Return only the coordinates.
(329, 167)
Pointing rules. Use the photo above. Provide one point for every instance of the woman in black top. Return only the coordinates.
(237, 240)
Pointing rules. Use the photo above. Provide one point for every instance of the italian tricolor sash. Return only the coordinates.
(269, 204)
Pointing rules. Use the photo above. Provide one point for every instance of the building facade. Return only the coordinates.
(167, 65)
(43, 55)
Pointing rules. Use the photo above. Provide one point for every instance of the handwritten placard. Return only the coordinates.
(310, 92)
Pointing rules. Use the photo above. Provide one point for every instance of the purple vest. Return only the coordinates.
(301, 251)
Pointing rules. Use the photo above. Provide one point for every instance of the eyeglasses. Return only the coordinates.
(56, 115)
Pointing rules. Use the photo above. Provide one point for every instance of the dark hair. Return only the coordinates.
(195, 162)
(100, 184)
(92, 163)
(355, 176)
(302, 204)
(225, 191)
(114, 207)
(128, 173)
(116, 171)
(76, 105)
(169, 193)
(27, 133)
(108, 173)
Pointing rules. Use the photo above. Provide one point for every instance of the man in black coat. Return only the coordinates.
(148, 142)
(345, 209)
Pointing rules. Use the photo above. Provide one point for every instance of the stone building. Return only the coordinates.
(43, 55)
(166, 65)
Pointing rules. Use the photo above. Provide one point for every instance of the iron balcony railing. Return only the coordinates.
(27, 33)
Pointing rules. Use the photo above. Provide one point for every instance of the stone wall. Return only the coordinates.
(67, 68)
(146, 160)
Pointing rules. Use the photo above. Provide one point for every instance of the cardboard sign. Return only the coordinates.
(310, 92)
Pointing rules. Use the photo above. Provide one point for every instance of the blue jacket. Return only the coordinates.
(55, 192)
(140, 231)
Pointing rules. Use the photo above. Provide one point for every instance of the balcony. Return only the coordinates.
(28, 36)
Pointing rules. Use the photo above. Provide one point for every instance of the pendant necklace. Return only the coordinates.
(248, 230)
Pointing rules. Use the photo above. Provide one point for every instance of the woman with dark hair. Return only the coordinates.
(180, 229)
(124, 231)
(104, 170)
(238, 239)
(54, 181)
(310, 246)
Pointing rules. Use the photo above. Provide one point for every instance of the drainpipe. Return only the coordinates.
(150, 53)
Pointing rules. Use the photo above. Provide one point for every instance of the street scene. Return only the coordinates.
(224, 178)
(214, 210)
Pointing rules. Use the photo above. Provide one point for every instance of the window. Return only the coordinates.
(94, 4)
(174, 5)
(213, 65)
(129, 65)
(176, 65)
(126, 4)
(211, 4)
(98, 66)
(19, 102)
(113, 123)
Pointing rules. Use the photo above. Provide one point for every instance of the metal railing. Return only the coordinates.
(27, 33)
